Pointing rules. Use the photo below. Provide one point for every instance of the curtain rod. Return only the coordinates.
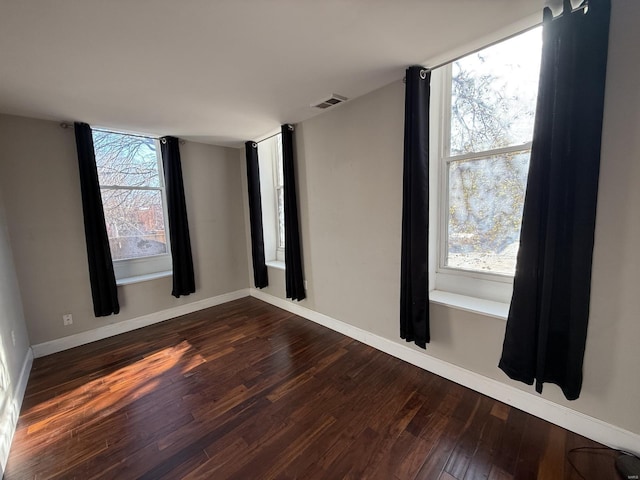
(67, 125)
(291, 127)
(455, 59)
(504, 39)
(267, 138)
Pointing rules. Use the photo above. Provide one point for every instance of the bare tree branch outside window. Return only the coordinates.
(131, 185)
(493, 97)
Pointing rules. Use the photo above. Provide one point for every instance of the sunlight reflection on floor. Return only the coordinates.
(107, 398)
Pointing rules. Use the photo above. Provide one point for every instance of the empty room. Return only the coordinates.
(364, 239)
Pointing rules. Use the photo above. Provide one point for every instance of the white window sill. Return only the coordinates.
(276, 264)
(470, 304)
(143, 278)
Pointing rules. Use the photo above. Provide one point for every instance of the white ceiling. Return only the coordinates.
(222, 71)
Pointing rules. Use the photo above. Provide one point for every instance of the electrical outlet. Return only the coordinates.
(13, 337)
(67, 318)
(305, 284)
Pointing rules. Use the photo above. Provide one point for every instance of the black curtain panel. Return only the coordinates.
(183, 276)
(292, 254)
(260, 277)
(414, 295)
(547, 324)
(103, 280)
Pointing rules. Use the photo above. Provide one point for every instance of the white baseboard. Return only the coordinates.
(65, 343)
(21, 388)
(14, 404)
(560, 415)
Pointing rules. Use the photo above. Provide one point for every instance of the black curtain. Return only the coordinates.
(292, 254)
(103, 280)
(183, 276)
(547, 324)
(414, 296)
(260, 277)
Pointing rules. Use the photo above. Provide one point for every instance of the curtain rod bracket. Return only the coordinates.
(163, 140)
(423, 74)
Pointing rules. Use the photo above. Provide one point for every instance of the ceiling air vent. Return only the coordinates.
(334, 99)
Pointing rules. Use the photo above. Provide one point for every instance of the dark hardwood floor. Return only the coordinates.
(248, 391)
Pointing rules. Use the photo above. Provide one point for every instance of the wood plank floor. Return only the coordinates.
(248, 391)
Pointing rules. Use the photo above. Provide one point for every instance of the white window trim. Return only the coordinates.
(480, 292)
(135, 270)
(143, 278)
(504, 289)
(277, 264)
(488, 308)
(268, 154)
(278, 181)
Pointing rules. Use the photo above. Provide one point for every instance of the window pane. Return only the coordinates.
(280, 193)
(278, 158)
(486, 197)
(126, 160)
(493, 95)
(135, 223)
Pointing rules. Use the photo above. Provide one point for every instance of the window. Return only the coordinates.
(279, 187)
(134, 202)
(272, 193)
(487, 109)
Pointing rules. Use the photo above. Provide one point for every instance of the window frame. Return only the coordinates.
(269, 159)
(127, 270)
(278, 185)
(491, 286)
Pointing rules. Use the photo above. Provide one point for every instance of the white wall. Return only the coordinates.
(13, 356)
(350, 184)
(44, 218)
